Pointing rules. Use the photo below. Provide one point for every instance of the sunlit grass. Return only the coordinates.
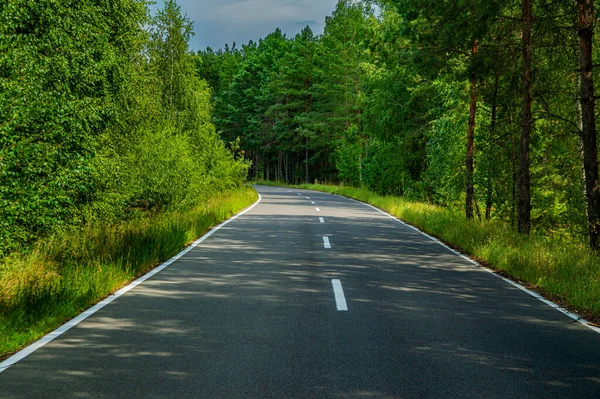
(561, 269)
(67, 273)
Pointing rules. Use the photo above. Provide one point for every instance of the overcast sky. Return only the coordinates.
(217, 22)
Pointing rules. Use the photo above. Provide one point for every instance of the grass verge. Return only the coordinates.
(561, 270)
(66, 274)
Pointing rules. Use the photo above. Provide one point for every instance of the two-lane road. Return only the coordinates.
(310, 295)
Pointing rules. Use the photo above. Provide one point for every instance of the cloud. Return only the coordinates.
(251, 12)
(217, 22)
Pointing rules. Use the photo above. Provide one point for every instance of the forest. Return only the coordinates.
(483, 105)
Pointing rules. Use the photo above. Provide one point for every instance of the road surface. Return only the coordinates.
(310, 295)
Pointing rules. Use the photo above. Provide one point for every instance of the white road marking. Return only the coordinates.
(279, 189)
(321, 220)
(562, 310)
(312, 202)
(326, 242)
(318, 210)
(289, 191)
(307, 197)
(340, 299)
(73, 322)
(299, 193)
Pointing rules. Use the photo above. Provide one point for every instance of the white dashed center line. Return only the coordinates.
(340, 299)
(326, 242)
(321, 220)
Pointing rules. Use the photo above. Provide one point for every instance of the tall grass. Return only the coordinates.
(67, 273)
(559, 268)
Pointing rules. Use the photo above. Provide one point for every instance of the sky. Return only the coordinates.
(217, 22)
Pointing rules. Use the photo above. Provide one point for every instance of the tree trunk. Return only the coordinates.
(306, 161)
(523, 178)
(360, 153)
(579, 140)
(286, 165)
(513, 163)
(267, 170)
(585, 30)
(280, 166)
(306, 85)
(490, 186)
(256, 164)
(470, 143)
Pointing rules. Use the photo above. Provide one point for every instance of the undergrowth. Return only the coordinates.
(65, 274)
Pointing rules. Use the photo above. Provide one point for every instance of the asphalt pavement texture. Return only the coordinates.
(251, 313)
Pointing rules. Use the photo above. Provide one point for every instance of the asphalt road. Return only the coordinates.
(252, 313)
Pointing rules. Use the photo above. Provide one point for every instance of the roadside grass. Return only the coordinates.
(560, 269)
(66, 274)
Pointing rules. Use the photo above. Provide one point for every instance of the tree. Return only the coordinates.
(341, 83)
(171, 32)
(523, 193)
(585, 31)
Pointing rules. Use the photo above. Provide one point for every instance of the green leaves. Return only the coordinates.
(56, 61)
(96, 118)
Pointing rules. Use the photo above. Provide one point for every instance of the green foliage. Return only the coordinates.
(445, 146)
(290, 101)
(61, 70)
(99, 119)
(170, 34)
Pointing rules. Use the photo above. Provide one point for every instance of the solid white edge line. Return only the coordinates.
(321, 220)
(340, 299)
(326, 242)
(537, 296)
(81, 317)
